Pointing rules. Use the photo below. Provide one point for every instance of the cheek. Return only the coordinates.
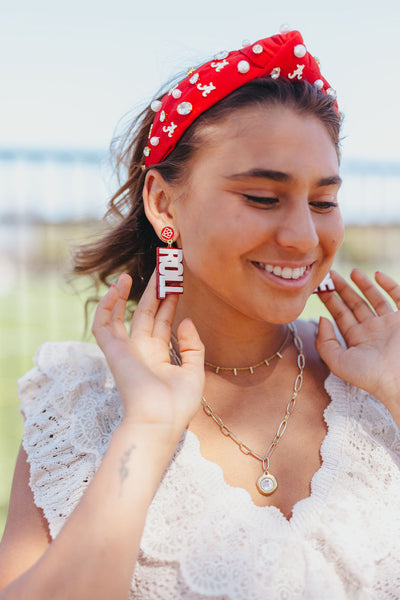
(332, 233)
(338, 237)
(214, 224)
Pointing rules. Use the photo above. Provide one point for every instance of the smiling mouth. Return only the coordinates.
(283, 272)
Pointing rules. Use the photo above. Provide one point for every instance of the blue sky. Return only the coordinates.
(70, 71)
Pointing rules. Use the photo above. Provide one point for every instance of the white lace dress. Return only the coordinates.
(204, 539)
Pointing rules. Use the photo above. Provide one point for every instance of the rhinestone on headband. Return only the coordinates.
(184, 108)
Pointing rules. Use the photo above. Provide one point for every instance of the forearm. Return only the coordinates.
(95, 553)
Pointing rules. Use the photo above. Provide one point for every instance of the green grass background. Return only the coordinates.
(42, 306)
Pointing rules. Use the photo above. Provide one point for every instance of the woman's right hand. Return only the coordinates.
(153, 391)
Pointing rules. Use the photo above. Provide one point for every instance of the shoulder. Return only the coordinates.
(57, 358)
(70, 407)
(62, 371)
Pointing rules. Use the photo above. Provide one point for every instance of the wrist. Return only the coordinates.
(155, 439)
(392, 402)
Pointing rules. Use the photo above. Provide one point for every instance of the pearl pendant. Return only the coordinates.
(266, 484)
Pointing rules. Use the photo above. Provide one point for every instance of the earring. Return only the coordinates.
(326, 285)
(169, 266)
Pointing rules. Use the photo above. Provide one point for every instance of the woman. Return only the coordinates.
(227, 451)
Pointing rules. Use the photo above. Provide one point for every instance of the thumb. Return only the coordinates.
(191, 347)
(327, 344)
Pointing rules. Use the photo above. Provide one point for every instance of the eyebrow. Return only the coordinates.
(281, 177)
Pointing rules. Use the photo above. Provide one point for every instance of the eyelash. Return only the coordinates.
(324, 205)
(261, 200)
(269, 201)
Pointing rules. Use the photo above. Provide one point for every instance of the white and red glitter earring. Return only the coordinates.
(326, 285)
(169, 266)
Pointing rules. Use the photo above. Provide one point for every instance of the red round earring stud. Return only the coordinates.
(167, 234)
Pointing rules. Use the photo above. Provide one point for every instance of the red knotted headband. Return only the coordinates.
(279, 56)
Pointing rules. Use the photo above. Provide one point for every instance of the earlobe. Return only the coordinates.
(157, 201)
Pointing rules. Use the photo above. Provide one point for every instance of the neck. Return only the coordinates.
(230, 337)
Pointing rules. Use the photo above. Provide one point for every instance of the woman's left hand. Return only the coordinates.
(371, 331)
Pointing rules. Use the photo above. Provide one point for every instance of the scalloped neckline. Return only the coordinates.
(323, 479)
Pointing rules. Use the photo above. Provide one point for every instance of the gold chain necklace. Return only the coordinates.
(266, 483)
(251, 368)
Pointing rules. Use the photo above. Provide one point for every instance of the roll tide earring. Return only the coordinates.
(169, 266)
(326, 285)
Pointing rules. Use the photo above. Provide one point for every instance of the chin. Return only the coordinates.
(284, 310)
(283, 315)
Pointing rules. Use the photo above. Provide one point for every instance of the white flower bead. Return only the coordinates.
(176, 93)
(299, 50)
(257, 49)
(243, 66)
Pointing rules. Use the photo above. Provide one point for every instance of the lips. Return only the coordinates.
(284, 272)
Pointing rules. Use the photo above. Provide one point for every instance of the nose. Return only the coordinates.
(297, 228)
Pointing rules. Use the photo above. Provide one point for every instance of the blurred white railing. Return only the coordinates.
(57, 185)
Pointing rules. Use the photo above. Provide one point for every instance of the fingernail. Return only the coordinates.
(111, 286)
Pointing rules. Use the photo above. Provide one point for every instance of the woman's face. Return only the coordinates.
(259, 222)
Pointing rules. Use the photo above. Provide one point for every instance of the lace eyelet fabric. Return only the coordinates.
(204, 539)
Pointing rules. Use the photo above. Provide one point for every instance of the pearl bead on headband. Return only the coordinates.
(280, 56)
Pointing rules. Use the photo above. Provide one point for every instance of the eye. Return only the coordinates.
(265, 201)
(324, 205)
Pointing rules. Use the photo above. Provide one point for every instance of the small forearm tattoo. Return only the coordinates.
(123, 468)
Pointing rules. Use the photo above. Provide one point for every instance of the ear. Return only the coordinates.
(158, 202)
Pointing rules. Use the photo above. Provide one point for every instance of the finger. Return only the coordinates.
(377, 300)
(123, 286)
(343, 316)
(327, 345)
(164, 318)
(390, 286)
(358, 306)
(102, 317)
(143, 317)
(191, 347)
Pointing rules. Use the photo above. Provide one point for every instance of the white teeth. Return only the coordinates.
(284, 272)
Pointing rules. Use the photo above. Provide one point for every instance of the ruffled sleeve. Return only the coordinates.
(70, 407)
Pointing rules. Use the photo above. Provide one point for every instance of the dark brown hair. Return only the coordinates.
(130, 242)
